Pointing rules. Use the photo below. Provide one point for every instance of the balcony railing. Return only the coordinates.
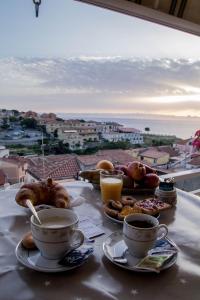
(188, 181)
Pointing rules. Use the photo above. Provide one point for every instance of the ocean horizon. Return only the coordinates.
(181, 127)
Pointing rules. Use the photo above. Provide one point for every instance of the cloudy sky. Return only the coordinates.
(79, 58)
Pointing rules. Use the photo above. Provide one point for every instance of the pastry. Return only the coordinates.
(116, 205)
(111, 212)
(28, 242)
(151, 206)
(128, 210)
(128, 200)
(44, 192)
(112, 208)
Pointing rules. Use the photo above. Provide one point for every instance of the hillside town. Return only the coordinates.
(75, 136)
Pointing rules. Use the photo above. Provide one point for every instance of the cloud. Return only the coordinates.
(101, 84)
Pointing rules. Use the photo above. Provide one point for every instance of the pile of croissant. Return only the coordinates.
(44, 192)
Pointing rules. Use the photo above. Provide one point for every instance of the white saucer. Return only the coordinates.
(33, 260)
(157, 216)
(114, 246)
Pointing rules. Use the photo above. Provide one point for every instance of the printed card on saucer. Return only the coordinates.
(89, 229)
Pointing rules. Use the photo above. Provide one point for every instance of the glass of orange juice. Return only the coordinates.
(111, 185)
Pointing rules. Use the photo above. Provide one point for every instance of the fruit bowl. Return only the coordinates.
(138, 178)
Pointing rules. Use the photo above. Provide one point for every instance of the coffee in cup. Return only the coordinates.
(140, 233)
(58, 233)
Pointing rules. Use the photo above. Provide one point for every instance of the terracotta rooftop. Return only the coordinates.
(2, 178)
(56, 166)
(153, 153)
(169, 150)
(117, 156)
(17, 160)
(183, 142)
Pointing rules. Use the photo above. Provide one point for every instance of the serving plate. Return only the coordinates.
(157, 216)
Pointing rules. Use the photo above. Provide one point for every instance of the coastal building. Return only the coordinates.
(80, 129)
(98, 127)
(71, 138)
(30, 114)
(58, 167)
(125, 134)
(154, 157)
(76, 140)
(106, 127)
(14, 167)
(51, 126)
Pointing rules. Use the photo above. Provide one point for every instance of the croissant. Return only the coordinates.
(43, 192)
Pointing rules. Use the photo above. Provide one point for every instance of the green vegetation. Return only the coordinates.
(13, 119)
(21, 150)
(5, 124)
(159, 140)
(29, 123)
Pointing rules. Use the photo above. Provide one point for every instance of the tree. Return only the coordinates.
(12, 119)
(29, 123)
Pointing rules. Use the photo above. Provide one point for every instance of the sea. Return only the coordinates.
(181, 127)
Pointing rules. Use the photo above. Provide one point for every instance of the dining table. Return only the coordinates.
(99, 278)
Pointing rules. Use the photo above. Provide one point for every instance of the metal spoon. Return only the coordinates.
(32, 208)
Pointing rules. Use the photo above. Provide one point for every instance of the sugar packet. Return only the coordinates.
(155, 261)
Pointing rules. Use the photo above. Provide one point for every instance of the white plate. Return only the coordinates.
(157, 216)
(33, 260)
(114, 246)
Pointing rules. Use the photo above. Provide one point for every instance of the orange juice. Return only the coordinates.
(111, 188)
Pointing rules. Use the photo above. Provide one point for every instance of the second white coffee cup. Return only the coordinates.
(140, 233)
(58, 233)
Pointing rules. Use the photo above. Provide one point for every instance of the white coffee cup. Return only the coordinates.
(140, 239)
(58, 233)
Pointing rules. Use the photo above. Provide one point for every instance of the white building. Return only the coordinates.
(3, 151)
(76, 140)
(124, 134)
(98, 127)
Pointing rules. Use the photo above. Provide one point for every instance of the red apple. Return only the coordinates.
(151, 181)
(136, 170)
(122, 168)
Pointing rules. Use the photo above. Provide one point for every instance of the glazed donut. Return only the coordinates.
(115, 204)
(111, 212)
(128, 200)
